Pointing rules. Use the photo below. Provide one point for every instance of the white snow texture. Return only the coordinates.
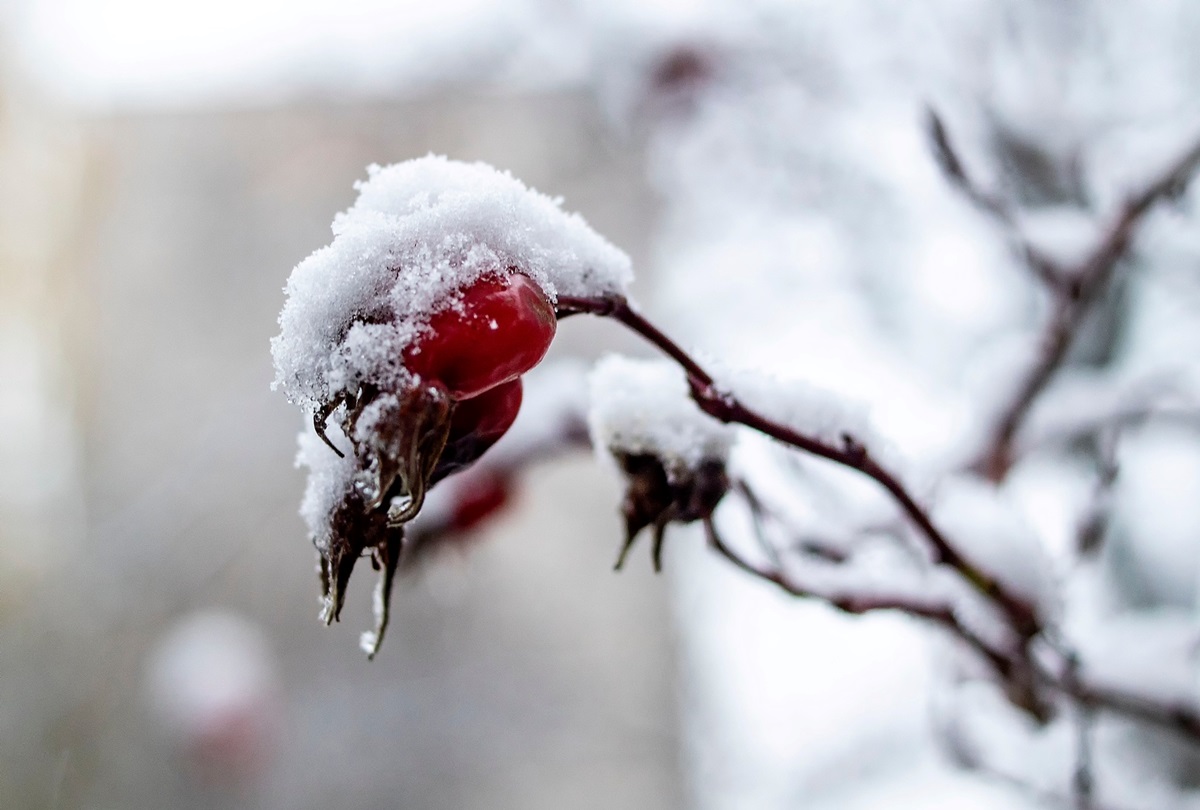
(643, 407)
(419, 232)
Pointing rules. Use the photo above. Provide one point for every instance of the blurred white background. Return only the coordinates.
(768, 166)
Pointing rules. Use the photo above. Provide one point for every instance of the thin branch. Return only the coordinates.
(1094, 523)
(759, 514)
(1043, 796)
(1073, 302)
(948, 160)
(1083, 783)
(995, 206)
(1185, 720)
(1016, 670)
(805, 542)
(1066, 676)
(859, 604)
(725, 407)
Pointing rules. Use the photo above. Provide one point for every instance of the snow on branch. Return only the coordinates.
(1075, 290)
(643, 407)
(846, 450)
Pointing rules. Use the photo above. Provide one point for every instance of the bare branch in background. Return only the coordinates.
(951, 164)
(1072, 302)
(1028, 682)
(1083, 781)
(1093, 525)
(990, 203)
(1047, 798)
(724, 407)
(848, 601)
(1182, 719)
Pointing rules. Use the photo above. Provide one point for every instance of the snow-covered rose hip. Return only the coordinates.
(461, 393)
(410, 332)
(472, 353)
(501, 328)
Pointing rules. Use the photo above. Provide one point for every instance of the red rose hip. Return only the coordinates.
(501, 329)
(476, 425)
(478, 499)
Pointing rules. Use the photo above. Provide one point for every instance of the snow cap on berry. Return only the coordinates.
(419, 232)
(643, 407)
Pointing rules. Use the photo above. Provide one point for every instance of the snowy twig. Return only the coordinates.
(936, 611)
(993, 205)
(1043, 796)
(1093, 526)
(1183, 719)
(724, 407)
(1016, 669)
(1082, 287)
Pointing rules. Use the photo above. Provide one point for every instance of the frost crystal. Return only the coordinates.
(642, 407)
(417, 234)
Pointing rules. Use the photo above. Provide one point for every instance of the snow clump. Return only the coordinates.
(808, 409)
(643, 407)
(987, 528)
(419, 232)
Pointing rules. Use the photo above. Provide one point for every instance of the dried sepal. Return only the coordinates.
(385, 558)
(397, 439)
(658, 494)
(352, 530)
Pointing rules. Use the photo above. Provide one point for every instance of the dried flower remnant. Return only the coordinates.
(655, 498)
(671, 453)
(410, 333)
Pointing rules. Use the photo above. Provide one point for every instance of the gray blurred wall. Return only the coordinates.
(523, 674)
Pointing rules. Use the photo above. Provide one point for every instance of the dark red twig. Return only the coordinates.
(995, 206)
(1184, 720)
(858, 604)
(1073, 300)
(1022, 677)
(725, 407)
